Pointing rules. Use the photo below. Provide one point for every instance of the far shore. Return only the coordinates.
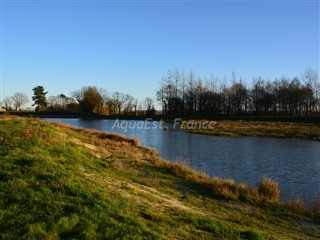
(232, 128)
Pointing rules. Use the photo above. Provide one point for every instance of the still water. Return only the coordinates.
(295, 164)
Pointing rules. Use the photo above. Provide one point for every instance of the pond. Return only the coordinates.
(295, 164)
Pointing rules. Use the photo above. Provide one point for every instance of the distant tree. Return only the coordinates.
(119, 99)
(19, 99)
(121, 103)
(7, 103)
(103, 100)
(149, 106)
(181, 94)
(53, 102)
(161, 96)
(39, 98)
(64, 101)
(311, 78)
(135, 107)
(73, 106)
(58, 103)
(89, 99)
(128, 104)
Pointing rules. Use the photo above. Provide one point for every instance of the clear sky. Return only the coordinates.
(128, 45)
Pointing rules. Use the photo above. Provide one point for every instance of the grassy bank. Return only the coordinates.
(59, 182)
(307, 131)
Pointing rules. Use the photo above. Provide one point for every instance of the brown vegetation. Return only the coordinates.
(296, 204)
(96, 136)
(269, 190)
(255, 129)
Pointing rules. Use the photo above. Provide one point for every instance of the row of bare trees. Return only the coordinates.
(186, 94)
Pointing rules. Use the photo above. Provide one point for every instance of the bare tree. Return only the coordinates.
(118, 100)
(311, 78)
(161, 96)
(135, 107)
(104, 98)
(19, 99)
(7, 101)
(53, 102)
(149, 105)
(129, 104)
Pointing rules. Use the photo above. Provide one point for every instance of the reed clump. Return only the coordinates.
(269, 190)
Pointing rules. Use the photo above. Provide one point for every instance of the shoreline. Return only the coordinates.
(170, 118)
(305, 128)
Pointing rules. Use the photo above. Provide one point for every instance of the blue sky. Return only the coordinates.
(127, 46)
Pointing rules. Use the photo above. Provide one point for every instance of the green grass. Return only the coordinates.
(59, 182)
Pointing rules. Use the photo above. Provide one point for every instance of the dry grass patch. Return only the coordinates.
(296, 204)
(103, 138)
(108, 138)
(245, 191)
(6, 117)
(183, 171)
(61, 124)
(229, 189)
(269, 190)
(226, 188)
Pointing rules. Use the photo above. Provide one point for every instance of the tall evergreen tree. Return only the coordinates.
(39, 98)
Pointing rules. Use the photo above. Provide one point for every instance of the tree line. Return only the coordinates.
(186, 95)
(182, 94)
(87, 101)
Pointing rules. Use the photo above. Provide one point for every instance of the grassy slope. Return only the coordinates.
(308, 131)
(58, 182)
